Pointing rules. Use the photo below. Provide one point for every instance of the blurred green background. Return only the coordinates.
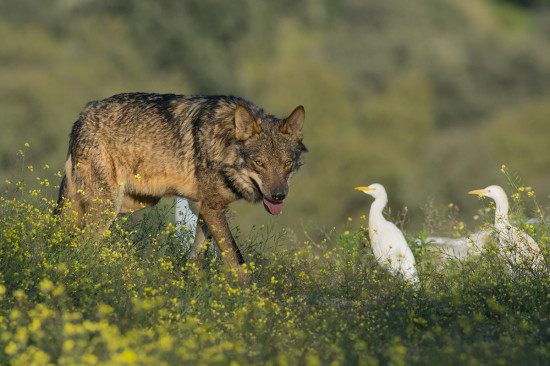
(427, 97)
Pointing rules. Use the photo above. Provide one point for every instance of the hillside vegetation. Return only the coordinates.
(431, 98)
(428, 98)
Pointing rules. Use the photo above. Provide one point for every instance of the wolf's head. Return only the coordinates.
(270, 150)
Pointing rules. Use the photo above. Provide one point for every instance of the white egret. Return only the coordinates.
(472, 244)
(515, 245)
(186, 220)
(388, 243)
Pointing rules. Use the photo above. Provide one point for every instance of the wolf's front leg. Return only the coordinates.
(200, 244)
(217, 223)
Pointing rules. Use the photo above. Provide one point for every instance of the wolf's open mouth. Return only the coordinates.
(273, 208)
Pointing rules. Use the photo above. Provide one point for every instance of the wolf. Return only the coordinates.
(128, 151)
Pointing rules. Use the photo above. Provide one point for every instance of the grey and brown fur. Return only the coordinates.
(129, 150)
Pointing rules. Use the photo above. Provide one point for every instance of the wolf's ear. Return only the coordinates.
(245, 124)
(293, 124)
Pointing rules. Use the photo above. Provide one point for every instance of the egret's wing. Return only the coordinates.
(387, 240)
(399, 246)
(521, 249)
(526, 242)
(391, 250)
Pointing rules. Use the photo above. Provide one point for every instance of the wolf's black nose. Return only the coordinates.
(278, 194)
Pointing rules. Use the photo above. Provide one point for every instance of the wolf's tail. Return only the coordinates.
(62, 194)
(63, 189)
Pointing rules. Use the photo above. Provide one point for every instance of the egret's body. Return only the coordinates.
(388, 243)
(460, 247)
(515, 245)
(186, 220)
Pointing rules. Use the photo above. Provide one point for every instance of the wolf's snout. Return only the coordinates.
(278, 194)
(274, 204)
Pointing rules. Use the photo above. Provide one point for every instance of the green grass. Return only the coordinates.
(132, 298)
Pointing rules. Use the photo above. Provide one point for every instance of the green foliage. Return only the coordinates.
(132, 297)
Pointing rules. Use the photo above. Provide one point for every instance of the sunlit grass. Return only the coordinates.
(133, 298)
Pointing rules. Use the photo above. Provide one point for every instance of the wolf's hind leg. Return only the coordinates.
(95, 193)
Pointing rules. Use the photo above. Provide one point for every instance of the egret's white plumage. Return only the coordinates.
(515, 245)
(388, 243)
(186, 220)
(460, 247)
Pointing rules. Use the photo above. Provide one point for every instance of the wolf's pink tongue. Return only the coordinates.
(273, 208)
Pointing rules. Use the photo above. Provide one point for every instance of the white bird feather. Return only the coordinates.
(186, 220)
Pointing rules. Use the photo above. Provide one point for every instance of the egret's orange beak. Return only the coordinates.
(365, 189)
(479, 191)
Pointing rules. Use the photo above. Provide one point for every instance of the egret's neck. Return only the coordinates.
(377, 207)
(501, 215)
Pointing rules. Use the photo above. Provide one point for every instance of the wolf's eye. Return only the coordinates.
(259, 163)
(288, 163)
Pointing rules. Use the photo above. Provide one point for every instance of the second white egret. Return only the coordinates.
(515, 245)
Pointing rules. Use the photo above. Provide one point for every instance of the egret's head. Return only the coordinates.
(494, 192)
(376, 190)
